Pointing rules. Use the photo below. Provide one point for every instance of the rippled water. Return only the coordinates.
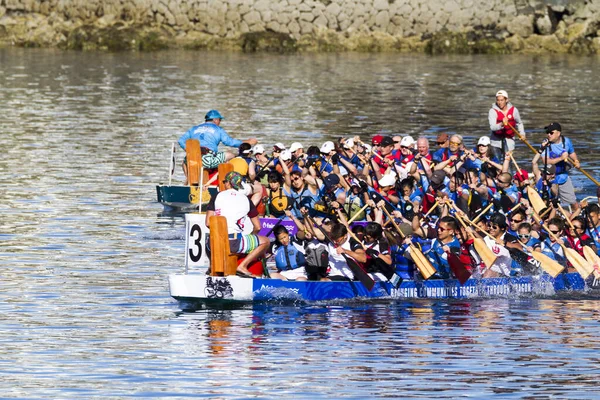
(85, 249)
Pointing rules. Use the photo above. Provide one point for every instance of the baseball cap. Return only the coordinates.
(555, 126)
(377, 140)
(285, 155)
(387, 180)
(437, 178)
(331, 180)
(348, 144)
(386, 141)
(407, 141)
(258, 149)
(502, 93)
(484, 141)
(521, 175)
(442, 138)
(295, 146)
(549, 170)
(279, 146)
(327, 147)
(234, 179)
(213, 114)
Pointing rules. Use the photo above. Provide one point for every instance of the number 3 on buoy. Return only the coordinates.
(195, 241)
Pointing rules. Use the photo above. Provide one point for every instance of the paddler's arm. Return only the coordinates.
(286, 173)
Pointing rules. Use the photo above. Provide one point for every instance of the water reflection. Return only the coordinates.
(85, 249)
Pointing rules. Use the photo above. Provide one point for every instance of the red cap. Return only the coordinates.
(376, 141)
(521, 175)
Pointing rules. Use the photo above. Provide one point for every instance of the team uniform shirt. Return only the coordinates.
(554, 251)
(477, 163)
(438, 257)
(503, 262)
(210, 135)
(337, 263)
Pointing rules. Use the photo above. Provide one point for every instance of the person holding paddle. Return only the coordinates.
(555, 150)
(503, 118)
(446, 242)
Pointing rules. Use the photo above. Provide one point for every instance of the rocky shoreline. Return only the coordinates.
(419, 26)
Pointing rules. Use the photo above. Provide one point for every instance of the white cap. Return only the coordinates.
(367, 147)
(502, 93)
(285, 155)
(484, 140)
(247, 151)
(258, 149)
(295, 146)
(387, 180)
(280, 146)
(348, 144)
(407, 141)
(327, 147)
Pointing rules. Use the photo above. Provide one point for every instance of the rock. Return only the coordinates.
(253, 17)
(544, 25)
(382, 19)
(381, 5)
(515, 43)
(522, 25)
(333, 9)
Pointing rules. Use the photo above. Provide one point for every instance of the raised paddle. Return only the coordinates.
(422, 263)
(487, 255)
(363, 208)
(577, 261)
(589, 253)
(482, 213)
(552, 267)
(535, 200)
(568, 159)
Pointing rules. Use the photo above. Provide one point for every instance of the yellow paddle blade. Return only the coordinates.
(487, 255)
(194, 160)
(422, 263)
(578, 262)
(535, 200)
(552, 267)
(593, 259)
(223, 170)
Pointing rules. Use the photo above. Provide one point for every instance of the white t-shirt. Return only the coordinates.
(503, 260)
(234, 206)
(337, 263)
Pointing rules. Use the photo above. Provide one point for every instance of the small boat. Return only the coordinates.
(197, 288)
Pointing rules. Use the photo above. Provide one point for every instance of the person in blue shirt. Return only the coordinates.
(210, 134)
(445, 242)
(556, 150)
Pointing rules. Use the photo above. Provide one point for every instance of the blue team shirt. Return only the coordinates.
(210, 135)
(555, 150)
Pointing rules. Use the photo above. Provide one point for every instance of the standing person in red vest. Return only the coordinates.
(503, 117)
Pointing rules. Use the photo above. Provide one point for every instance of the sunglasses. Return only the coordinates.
(555, 232)
(550, 133)
(441, 143)
(524, 236)
(516, 220)
(494, 227)
(296, 178)
(404, 147)
(482, 145)
(578, 227)
(456, 143)
(396, 141)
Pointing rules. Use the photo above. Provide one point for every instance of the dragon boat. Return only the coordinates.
(196, 287)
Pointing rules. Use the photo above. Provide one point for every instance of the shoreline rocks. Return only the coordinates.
(419, 26)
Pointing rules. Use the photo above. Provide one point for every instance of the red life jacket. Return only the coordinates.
(506, 131)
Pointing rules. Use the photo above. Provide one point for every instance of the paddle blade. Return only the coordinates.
(549, 265)
(458, 268)
(360, 273)
(487, 255)
(535, 200)
(194, 160)
(593, 259)
(578, 262)
(422, 263)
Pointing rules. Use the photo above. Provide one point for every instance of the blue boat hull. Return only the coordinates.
(206, 289)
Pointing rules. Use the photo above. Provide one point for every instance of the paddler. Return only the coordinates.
(504, 118)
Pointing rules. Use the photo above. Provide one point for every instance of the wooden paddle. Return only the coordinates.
(194, 160)
(568, 159)
(552, 267)
(588, 253)
(535, 200)
(487, 255)
(577, 261)
(422, 263)
(482, 213)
